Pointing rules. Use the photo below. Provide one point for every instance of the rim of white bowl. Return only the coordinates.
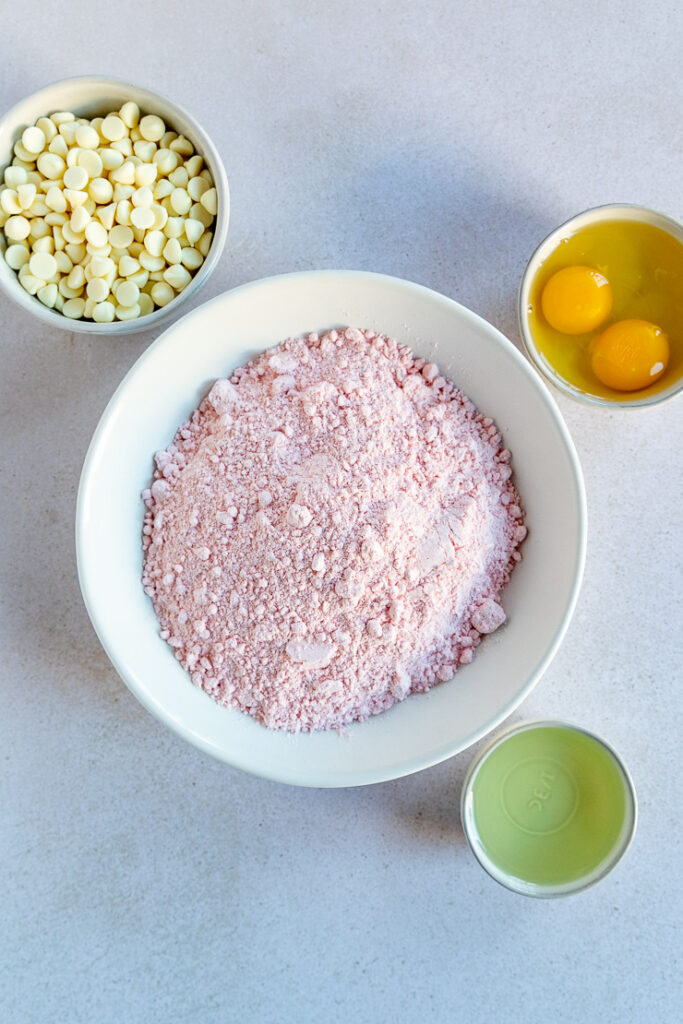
(17, 117)
(606, 212)
(386, 772)
(508, 881)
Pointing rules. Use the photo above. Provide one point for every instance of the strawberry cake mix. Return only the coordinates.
(330, 532)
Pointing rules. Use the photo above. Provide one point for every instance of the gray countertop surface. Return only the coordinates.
(144, 882)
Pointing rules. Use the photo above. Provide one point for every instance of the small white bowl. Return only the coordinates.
(597, 215)
(162, 390)
(92, 97)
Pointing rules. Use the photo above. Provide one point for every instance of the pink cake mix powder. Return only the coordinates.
(330, 532)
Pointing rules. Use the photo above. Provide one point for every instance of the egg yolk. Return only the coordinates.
(630, 354)
(576, 300)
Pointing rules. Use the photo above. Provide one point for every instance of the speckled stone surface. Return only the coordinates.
(142, 881)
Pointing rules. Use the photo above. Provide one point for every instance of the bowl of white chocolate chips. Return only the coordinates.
(114, 206)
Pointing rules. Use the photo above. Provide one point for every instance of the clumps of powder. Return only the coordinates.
(330, 532)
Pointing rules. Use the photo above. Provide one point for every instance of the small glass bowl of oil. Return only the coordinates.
(618, 340)
(548, 808)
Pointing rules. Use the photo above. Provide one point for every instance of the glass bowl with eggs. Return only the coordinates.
(601, 307)
(114, 206)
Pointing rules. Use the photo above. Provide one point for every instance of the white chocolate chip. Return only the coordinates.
(76, 278)
(39, 228)
(63, 261)
(142, 196)
(48, 295)
(160, 217)
(191, 258)
(145, 151)
(142, 217)
(197, 187)
(51, 165)
(72, 156)
(86, 136)
(103, 313)
(26, 195)
(125, 174)
(180, 201)
(113, 128)
(145, 175)
(124, 146)
(80, 218)
(56, 199)
(74, 308)
(172, 251)
(96, 233)
(130, 114)
(121, 236)
(9, 201)
(111, 159)
(30, 283)
(105, 215)
(166, 160)
(151, 263)
(45, 244)
(17, 228)
(101, 190)
(15, 176)
(128, 312)
(16, 256)
(174, 227)
(127, 294)
(155, 242)
(162, 293)
(97, 289)
(128, 265)
(194, 165)
(42, 265)
(75, 252)
(91, 162)
(209, 201)
(162, 189)
(62, 117)
(24, 154)
(152, 128)
(75, 197)
(101, 266)
(59, 147)
(204, 243)
(194, 229)
(182, 145)
(177, 276)
(47, 127)
(75, 177)
(179, 178)
(33, 140)
(122, 213)
(38, 208)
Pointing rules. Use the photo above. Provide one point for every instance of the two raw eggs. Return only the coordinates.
(604, 309)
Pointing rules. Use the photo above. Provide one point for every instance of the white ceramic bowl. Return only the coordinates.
(164, 387)
(92, 97)
(597, 215)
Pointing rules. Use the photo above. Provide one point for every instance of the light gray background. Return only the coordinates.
(143, 882)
